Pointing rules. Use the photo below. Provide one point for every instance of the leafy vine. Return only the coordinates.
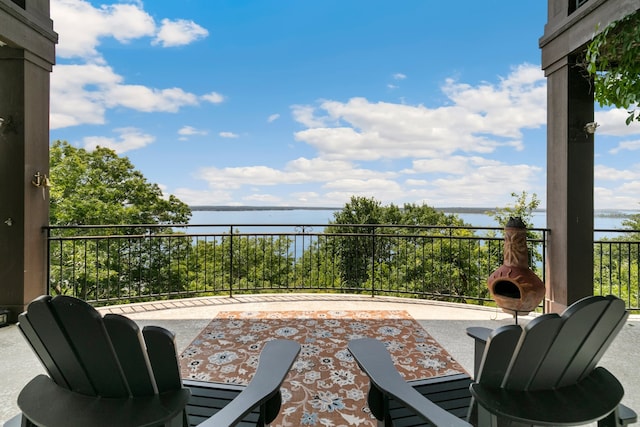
(613, 60)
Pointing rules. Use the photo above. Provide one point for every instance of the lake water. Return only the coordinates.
(602, 220)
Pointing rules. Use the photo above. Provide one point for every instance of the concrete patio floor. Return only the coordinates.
(446, 322)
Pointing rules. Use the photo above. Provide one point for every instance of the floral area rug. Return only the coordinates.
(325, 386)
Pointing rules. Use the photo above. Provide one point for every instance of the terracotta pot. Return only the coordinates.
(514, 287)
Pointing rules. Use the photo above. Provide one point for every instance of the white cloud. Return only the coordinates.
(142, 98)
(482, 187)
(305, 197)
(517, 102)
(233, 178)
(272, 118)
(213, 97)
(479, 120)
(304, 114)
(484, 180)
(78, 94)
(399, 76)
(295, 172)
(626, 145)
(190, 130)
(81, 94)
(80, 26)
(129, 139)
(179, 32)
(612, 122)
(228, 135)
(263, 198)
(204, 197)
(606, 173)
(623, 197)
(363, 148)
(455, 165)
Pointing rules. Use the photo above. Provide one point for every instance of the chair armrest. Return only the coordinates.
(479, 333)
(276, 359)
(45, 403)
(374, 359)
(480, 336)
(626, 415)
(15, 421)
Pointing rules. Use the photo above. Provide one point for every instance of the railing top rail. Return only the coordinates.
(281, 234)
(227, 225)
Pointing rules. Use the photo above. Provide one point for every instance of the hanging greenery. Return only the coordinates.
(613, 60)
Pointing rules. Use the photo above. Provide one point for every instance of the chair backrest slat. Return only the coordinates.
(41, 351)
(56, 352)
(129, 345)
(552, 351)
(163, 357)
(531, 350)
(598, 341)
(85, 331)
(577, 323)
(497, 355)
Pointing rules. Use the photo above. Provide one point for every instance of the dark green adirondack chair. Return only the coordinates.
(545, 374)
(104, 371)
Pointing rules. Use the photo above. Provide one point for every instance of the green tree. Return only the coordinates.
(434, 257)
(408, 249)
(612, 60)
(357, 249)
(99, 187)
(632, 223)
(523, 208)
(617, 263)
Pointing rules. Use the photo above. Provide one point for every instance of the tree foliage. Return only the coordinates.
(612, 60)
(523, 208)
(99, 187)
(390, 256)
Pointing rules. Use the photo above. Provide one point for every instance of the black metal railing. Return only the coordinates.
(616, 264)
(118, 264)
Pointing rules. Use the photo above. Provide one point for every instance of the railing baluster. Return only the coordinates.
(449, 263)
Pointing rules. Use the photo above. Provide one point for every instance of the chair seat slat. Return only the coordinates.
(577, 404)
(51, 405)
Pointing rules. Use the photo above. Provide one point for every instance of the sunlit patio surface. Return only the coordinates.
(446, 322)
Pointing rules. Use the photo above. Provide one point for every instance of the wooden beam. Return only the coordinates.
(565, 35)
(29, 29)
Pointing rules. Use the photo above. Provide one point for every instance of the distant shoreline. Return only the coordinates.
(316, 208)
(612, 213)
(263, 208)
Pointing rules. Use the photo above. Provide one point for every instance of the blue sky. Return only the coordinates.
(306, 103)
